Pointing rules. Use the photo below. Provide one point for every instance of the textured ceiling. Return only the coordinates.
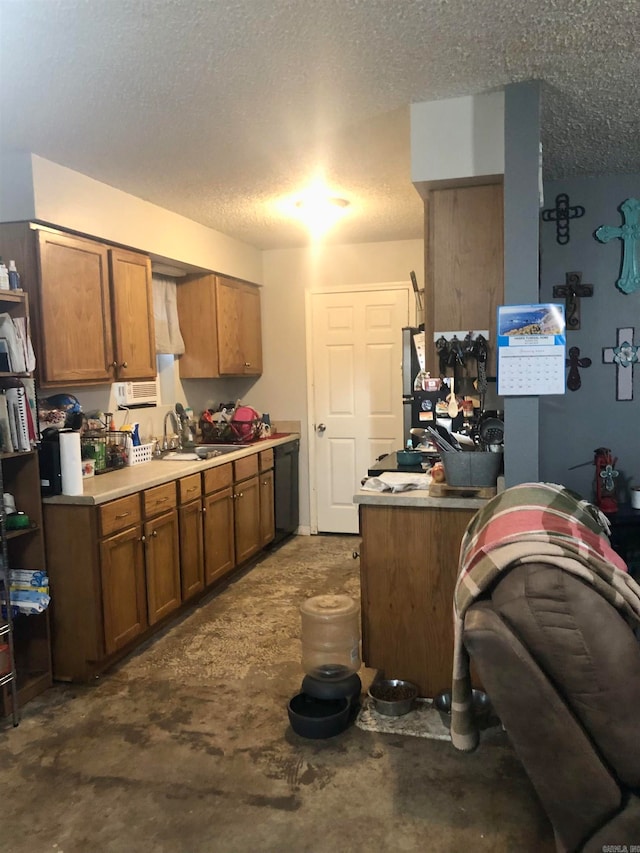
(215, 108)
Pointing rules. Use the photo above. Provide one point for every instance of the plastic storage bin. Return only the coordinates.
(330, 636)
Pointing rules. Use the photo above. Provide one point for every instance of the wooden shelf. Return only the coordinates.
(14, 534)
(12, 295)
(16, 454)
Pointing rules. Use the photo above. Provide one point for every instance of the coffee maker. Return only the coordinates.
(49, 460)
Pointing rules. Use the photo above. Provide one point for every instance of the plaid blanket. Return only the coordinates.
(530, 523)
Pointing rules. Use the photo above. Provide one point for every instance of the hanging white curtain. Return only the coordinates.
(165, 311)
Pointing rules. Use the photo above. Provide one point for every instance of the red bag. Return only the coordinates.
(246, 423)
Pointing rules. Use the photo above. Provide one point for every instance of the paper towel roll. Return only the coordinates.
(70, 463)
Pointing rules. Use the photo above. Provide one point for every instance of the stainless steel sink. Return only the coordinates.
(200, 451)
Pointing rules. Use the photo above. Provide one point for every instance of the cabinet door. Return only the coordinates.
(465, 262)
(251, 331)
(132, 305)
(74, 310)
(247, 518)
(229, 295)
(191, 549)
(267, 518)
(124, 607)
(198, 325)
(219, 554)
(408, 559)
(163, 565)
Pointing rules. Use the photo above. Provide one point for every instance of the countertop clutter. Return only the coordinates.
(126, 481)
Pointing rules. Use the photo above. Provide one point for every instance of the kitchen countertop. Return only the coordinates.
(415, 498)
(126, 481)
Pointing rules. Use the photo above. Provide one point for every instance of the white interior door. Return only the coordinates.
(357, 361)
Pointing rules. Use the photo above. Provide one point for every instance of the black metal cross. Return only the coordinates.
(561, 214)
(572, 291)
(573, 363)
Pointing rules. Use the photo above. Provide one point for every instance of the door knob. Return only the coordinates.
(321, 428)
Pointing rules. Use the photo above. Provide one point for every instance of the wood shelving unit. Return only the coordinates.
(25, 550)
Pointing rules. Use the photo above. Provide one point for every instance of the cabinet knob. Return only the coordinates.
(247, 364)
(143, 538)
(154, 533)
(114, 364)
(203, 510)
(124, 364)
(355, 554)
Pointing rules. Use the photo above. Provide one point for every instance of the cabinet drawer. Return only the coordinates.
(189, 488)
(116, 515)
(217, 478)
(244, 468)
(266, 459)
(159, 499)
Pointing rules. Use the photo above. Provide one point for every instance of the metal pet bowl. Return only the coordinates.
(482, 707)
(393, 697)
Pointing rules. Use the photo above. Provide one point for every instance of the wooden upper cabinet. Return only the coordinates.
(132, 311)
(74, 310)
(239, 328)
(464, 265)
(220, 321)
(251, 330)
(94, 312)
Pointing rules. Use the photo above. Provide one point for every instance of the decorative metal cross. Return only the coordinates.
(624, 356)
(572, 291)
(573, 363)
(629, 233)
(561, 214)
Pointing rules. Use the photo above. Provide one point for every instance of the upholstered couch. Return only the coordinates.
(562, 669)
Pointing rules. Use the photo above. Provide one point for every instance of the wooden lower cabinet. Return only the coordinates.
(267, 512)
(247, 518)
(119, 569)
(162, 560)
(122, 574)
(219, 551)
(408, 568)
(191, 548)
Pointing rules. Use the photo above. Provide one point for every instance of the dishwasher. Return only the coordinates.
(286, 489)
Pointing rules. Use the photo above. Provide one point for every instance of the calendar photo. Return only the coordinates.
(531, 349)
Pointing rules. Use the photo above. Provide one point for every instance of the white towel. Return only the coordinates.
(396, 481)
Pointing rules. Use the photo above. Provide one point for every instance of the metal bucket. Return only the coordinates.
(472, 468)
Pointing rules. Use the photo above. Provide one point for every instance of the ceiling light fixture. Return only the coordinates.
(319, 210)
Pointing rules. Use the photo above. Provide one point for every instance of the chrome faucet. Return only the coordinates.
(176, 429)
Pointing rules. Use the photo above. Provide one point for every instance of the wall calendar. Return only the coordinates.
(531, 349)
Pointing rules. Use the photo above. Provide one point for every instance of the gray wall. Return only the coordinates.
(521, 217)
(573, 425)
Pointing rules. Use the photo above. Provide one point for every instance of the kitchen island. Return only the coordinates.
(144, 543)
(408, 569)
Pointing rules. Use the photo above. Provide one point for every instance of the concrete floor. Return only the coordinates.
(186, 748)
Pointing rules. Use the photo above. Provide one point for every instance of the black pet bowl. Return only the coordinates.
(320, 688)
(318, 718)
